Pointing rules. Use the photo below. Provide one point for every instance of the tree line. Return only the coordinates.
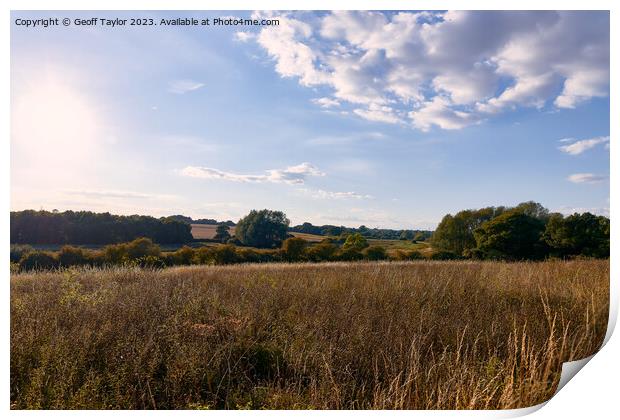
(525, 232)
(144, 252)
(371, 233)
(85, 227)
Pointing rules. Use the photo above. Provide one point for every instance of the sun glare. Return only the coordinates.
(53, 123)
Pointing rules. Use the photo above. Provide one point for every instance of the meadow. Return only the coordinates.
(358, 335)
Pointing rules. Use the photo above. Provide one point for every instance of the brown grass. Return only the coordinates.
(421, 335)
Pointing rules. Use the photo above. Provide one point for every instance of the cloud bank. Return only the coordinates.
(447, 70)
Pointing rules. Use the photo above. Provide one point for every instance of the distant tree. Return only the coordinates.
(512, 235)
(262, 229)
(293, 248)
(222, 233)
(579, 234)
(355, 242)
(419, 237)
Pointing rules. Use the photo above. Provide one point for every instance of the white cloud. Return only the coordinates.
(334, 195)
(119, 194)
(587, 178)
(291, 175)
(326, 102)
(244, 36)
(448, 70)
(184, 86)
(576, 147)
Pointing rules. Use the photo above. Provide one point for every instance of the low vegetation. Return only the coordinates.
(413, 335)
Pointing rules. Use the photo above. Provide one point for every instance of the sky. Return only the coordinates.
(387, 119)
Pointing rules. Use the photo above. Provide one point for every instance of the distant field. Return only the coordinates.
(308, 236)
(207, 231)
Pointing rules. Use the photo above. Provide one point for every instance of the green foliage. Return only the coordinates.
(323, 251)
(579, 234)
(513, 236)
(84, 227)
(221, 233)
(375, 253)
(224, 254)
(355, 242)
(293, 248)
(262, 229)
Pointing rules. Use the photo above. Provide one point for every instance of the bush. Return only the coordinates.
(71, 255)
(375, 253)
(293, 249)
(404, 255)
(443, 255)
(18, 251)
(182, 256)
(225, 254)
(38, 260)
(323, 251)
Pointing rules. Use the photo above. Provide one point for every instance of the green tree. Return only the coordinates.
(578, 234)
(222, 233)
(293, 249)
(262, 229)
(355, 242)
(512, 235)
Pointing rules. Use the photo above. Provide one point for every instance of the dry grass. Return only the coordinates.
(422, 335)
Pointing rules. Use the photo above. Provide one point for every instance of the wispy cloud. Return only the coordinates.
(334, 195)
(587, 178)
(577, 147)
(291, 175)
(326, 102)
(119, 194)
(184, 86)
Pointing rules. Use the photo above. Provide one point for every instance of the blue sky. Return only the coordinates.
(383, 119)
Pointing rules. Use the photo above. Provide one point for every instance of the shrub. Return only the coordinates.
(323, 251)
(18, 251)
(375, 253)
(71, 255)
(183, 256)
(38, 260)
(293, 249)
(225, 254)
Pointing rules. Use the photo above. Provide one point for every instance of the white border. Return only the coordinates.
(593, 393)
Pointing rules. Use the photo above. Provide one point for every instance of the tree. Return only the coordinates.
(262, 229)
(222, 234)
(512, 235)
(355, 242)
(579, 234)
(293, 249)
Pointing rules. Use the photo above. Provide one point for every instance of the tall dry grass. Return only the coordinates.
(422, 335)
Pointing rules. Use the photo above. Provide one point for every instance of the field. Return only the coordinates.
(419, 335)
(200, 231)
